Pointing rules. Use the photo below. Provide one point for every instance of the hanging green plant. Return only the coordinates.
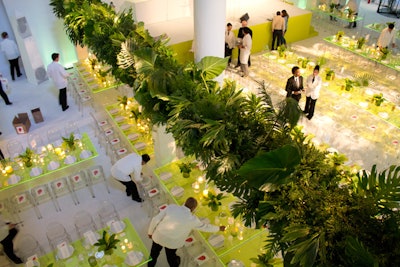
(107, 243)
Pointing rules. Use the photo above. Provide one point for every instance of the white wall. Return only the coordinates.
(47, 30)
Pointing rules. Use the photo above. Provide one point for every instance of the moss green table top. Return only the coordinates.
(236, 236)
(52, 160)
(129, 241)
(137, 132)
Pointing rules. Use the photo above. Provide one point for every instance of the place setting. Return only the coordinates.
(64, 250)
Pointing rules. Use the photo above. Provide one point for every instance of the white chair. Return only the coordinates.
(56, 234)
(54, 136)
(96, 175)
(23, 201)
(78, 181)
(72, 128)
(42, 194)
(35, 142)
(14, 148)
(61, 187)
(83, 222)
(107, 212)
(28, 246)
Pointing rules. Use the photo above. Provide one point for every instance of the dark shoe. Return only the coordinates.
(13, 79)
(1, 133)
(19, 75)
(137, 199)
(64, 109)
(309, 117)
(9, 103)
(128, 193)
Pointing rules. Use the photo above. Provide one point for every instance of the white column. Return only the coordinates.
(209, 28)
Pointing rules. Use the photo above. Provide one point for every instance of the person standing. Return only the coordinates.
(314, 83)
(245, 50)
(8, 231)
(171, 227)
(278, 27)
(230, 42)
(59, 76)
(285, 16)
(294, 84)
(3, 94)
(123, 168)
(10, 49)
(387, 37)
(240, 36)
(352, 5)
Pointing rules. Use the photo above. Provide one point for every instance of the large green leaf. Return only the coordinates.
(212, 67)
(357, 254)
(145, 59)
(271, 167)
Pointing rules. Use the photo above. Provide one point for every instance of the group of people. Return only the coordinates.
(279, 28)
(295, 87)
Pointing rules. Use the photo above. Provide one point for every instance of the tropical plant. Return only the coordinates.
(384, 53)
(69, 142)
(321, 61)
(339, 35)
(107, 243)
(186, 168)
(349, 84)
(213, 201)
(281, 50)
(329, 74)
(378, 99)
(362, 79)
(123, 101)
(332, 7)
(303, 62)
(360, 42)
(26, 157)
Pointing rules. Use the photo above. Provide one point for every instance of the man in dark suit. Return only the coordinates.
(241, 35)
(294, 85)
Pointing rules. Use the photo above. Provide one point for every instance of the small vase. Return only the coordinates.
(186, 174)
(215, 207)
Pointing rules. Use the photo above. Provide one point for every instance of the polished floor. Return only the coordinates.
(26, 96)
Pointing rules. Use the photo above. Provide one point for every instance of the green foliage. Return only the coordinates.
(378, 99)
(362, 79)
(186, 167)
(26, 157)
(213, 200)
(107, 243)
(69, 142)
(360, 42)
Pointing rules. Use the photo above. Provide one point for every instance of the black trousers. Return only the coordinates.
(1, 155)
(8, 246)
(228, 52)
(14, 65)
(310, 106)
(173, 259)
(131, 189)
(277, 36)
(62, 97)
(4, 95)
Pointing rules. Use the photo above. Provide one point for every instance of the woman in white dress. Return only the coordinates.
(245, 49)
(314, 83)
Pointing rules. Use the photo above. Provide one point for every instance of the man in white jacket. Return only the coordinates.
(171, 227)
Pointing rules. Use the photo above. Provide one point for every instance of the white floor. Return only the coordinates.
(26, 96)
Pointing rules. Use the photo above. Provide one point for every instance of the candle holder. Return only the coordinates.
(196, 187)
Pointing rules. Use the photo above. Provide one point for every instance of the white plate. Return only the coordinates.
(117, 227)
(114, 111)
(134, 258)
(125, 127)
(36, 171)
(165, 176)
(235, 263)
(85, 154)
(140, 146)
(216, 241)
(65, 255)
(69, 159)
(133, 137)
(119, 119)
(53, 165)
(177, 191)
(14, 179)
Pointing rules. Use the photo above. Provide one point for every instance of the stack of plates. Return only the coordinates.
(36, 171)
(165, 176)
(177, 191)
(14, 179)
(133, 137)
(134, 258)
(140, 146)
(69, 159)
(216, 241)
(53, 165)
(85, 154)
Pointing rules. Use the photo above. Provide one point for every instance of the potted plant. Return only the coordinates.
(360, 42)
(107, 243)
(123, 101)
(69, 142)
(332, 7)
(349, 84)
(27, 156)
(384, 53)
(304, 63)
(330, 74)
(339, 35)
(281, 50)
(186, 168)
(214, 200)
(92, 62)
(378, 99)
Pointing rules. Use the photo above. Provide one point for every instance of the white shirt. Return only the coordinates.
(172, 226)
(386, 38)
(230, 39)
(58, 74)
(313, 88)
(131, 163)
(10, 49)
(247, 42)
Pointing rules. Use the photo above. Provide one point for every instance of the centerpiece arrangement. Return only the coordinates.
(186, 168)
(213, 201)
(27, 157)
(378, 99)
(70, 143)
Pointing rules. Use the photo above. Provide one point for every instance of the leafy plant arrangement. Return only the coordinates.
(332, 7)
(321, 61)
(360, 42)
(27, 156)
(123, 101)
(329, 74)
(93, 62)
(69, 142)
(281, 50)
(384, 53)
(362, 79)
(107, 243)
(349, 84)
(186, 168)
(303, 62)
(339, 35)
(213, 201)
(378, 99)
(103, 74)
